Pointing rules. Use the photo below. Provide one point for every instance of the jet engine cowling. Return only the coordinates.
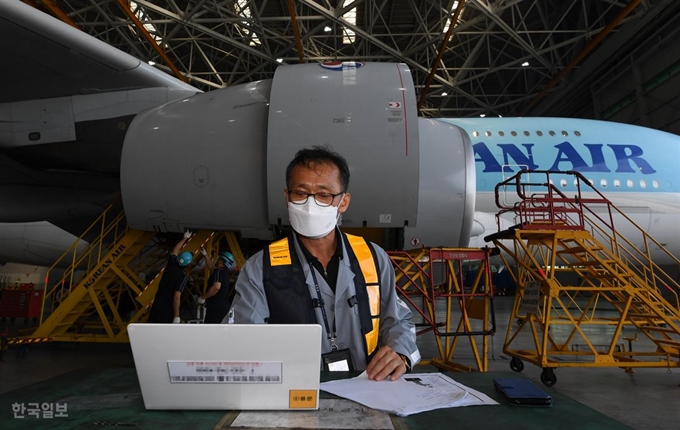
(217, 160)
(446, 204)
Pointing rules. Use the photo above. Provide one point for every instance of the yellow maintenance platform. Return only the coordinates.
(579, 279)
(108, 279)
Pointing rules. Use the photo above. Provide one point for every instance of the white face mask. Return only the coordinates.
(312, 220)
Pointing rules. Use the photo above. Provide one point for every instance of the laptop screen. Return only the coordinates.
(227, 366)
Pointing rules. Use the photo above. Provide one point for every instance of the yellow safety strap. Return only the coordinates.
(370, 272)
(279, 253)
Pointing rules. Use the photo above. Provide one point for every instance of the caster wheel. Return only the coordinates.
(516, 364)
(548, 377)
(520, 321)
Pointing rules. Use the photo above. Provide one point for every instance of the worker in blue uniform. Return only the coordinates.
(218, 296)
(165, 308)
(320, 275)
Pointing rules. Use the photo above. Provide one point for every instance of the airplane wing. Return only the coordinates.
(65, 107)
(45, 58)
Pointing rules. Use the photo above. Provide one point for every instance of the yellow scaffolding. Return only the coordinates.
(618, 283)
(430, 275)
(101, 289)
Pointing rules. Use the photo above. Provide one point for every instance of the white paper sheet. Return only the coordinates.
(410, 394)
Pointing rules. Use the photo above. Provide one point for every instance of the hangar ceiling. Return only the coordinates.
(503, 57)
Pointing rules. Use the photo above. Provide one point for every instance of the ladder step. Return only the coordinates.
(668, 342)
(641, 315)
(606, 275)
(591, 263)
(578, 250)
(658, 328)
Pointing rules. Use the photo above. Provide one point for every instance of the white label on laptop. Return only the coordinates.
(225, 372)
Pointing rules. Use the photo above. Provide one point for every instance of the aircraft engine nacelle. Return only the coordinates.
(199, 162)
(217, 161)
(447, 193)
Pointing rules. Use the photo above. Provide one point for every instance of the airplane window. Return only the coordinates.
(643, 183)
(617, 183)
(629, 183)
(488, 134)
(603, 183)
(539, 133)
(501, 134)
(514, 133)
(655, 183)
(563, 183)
(552, 133)
(475, 133)
(577, 133)
(564, 133)
(526, 133)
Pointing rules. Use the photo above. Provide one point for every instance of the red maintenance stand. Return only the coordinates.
(23, 302)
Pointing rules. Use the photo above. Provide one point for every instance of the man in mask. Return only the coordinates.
(320, 275)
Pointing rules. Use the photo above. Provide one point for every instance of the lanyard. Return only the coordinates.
(331, 335)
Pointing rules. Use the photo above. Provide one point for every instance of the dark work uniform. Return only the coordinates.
(174, 279)
(219, 304)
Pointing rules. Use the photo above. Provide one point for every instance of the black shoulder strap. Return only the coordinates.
(286, 287)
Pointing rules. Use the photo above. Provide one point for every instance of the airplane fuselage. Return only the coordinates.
(633, 167)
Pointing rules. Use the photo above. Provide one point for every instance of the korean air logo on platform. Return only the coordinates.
(341, 65)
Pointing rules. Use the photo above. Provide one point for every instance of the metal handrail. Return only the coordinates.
(558, 207)
(84, 259)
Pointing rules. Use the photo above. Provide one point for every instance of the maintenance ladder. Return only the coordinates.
(620, 286)
(430, 276)
(102, 289)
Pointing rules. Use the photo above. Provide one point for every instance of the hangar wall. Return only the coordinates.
(644, 88)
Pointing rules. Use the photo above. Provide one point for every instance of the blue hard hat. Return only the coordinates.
(184, 258)
(229, 260)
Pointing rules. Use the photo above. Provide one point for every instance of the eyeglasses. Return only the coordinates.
(322, 199)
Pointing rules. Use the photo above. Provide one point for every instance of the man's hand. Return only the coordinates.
(200, 300)
(204, 253)
(385, 363)
(187, 234)
(176, 320)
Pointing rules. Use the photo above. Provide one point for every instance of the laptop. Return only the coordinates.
(228, 366)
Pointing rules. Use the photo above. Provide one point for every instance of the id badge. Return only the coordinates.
(338, 361)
